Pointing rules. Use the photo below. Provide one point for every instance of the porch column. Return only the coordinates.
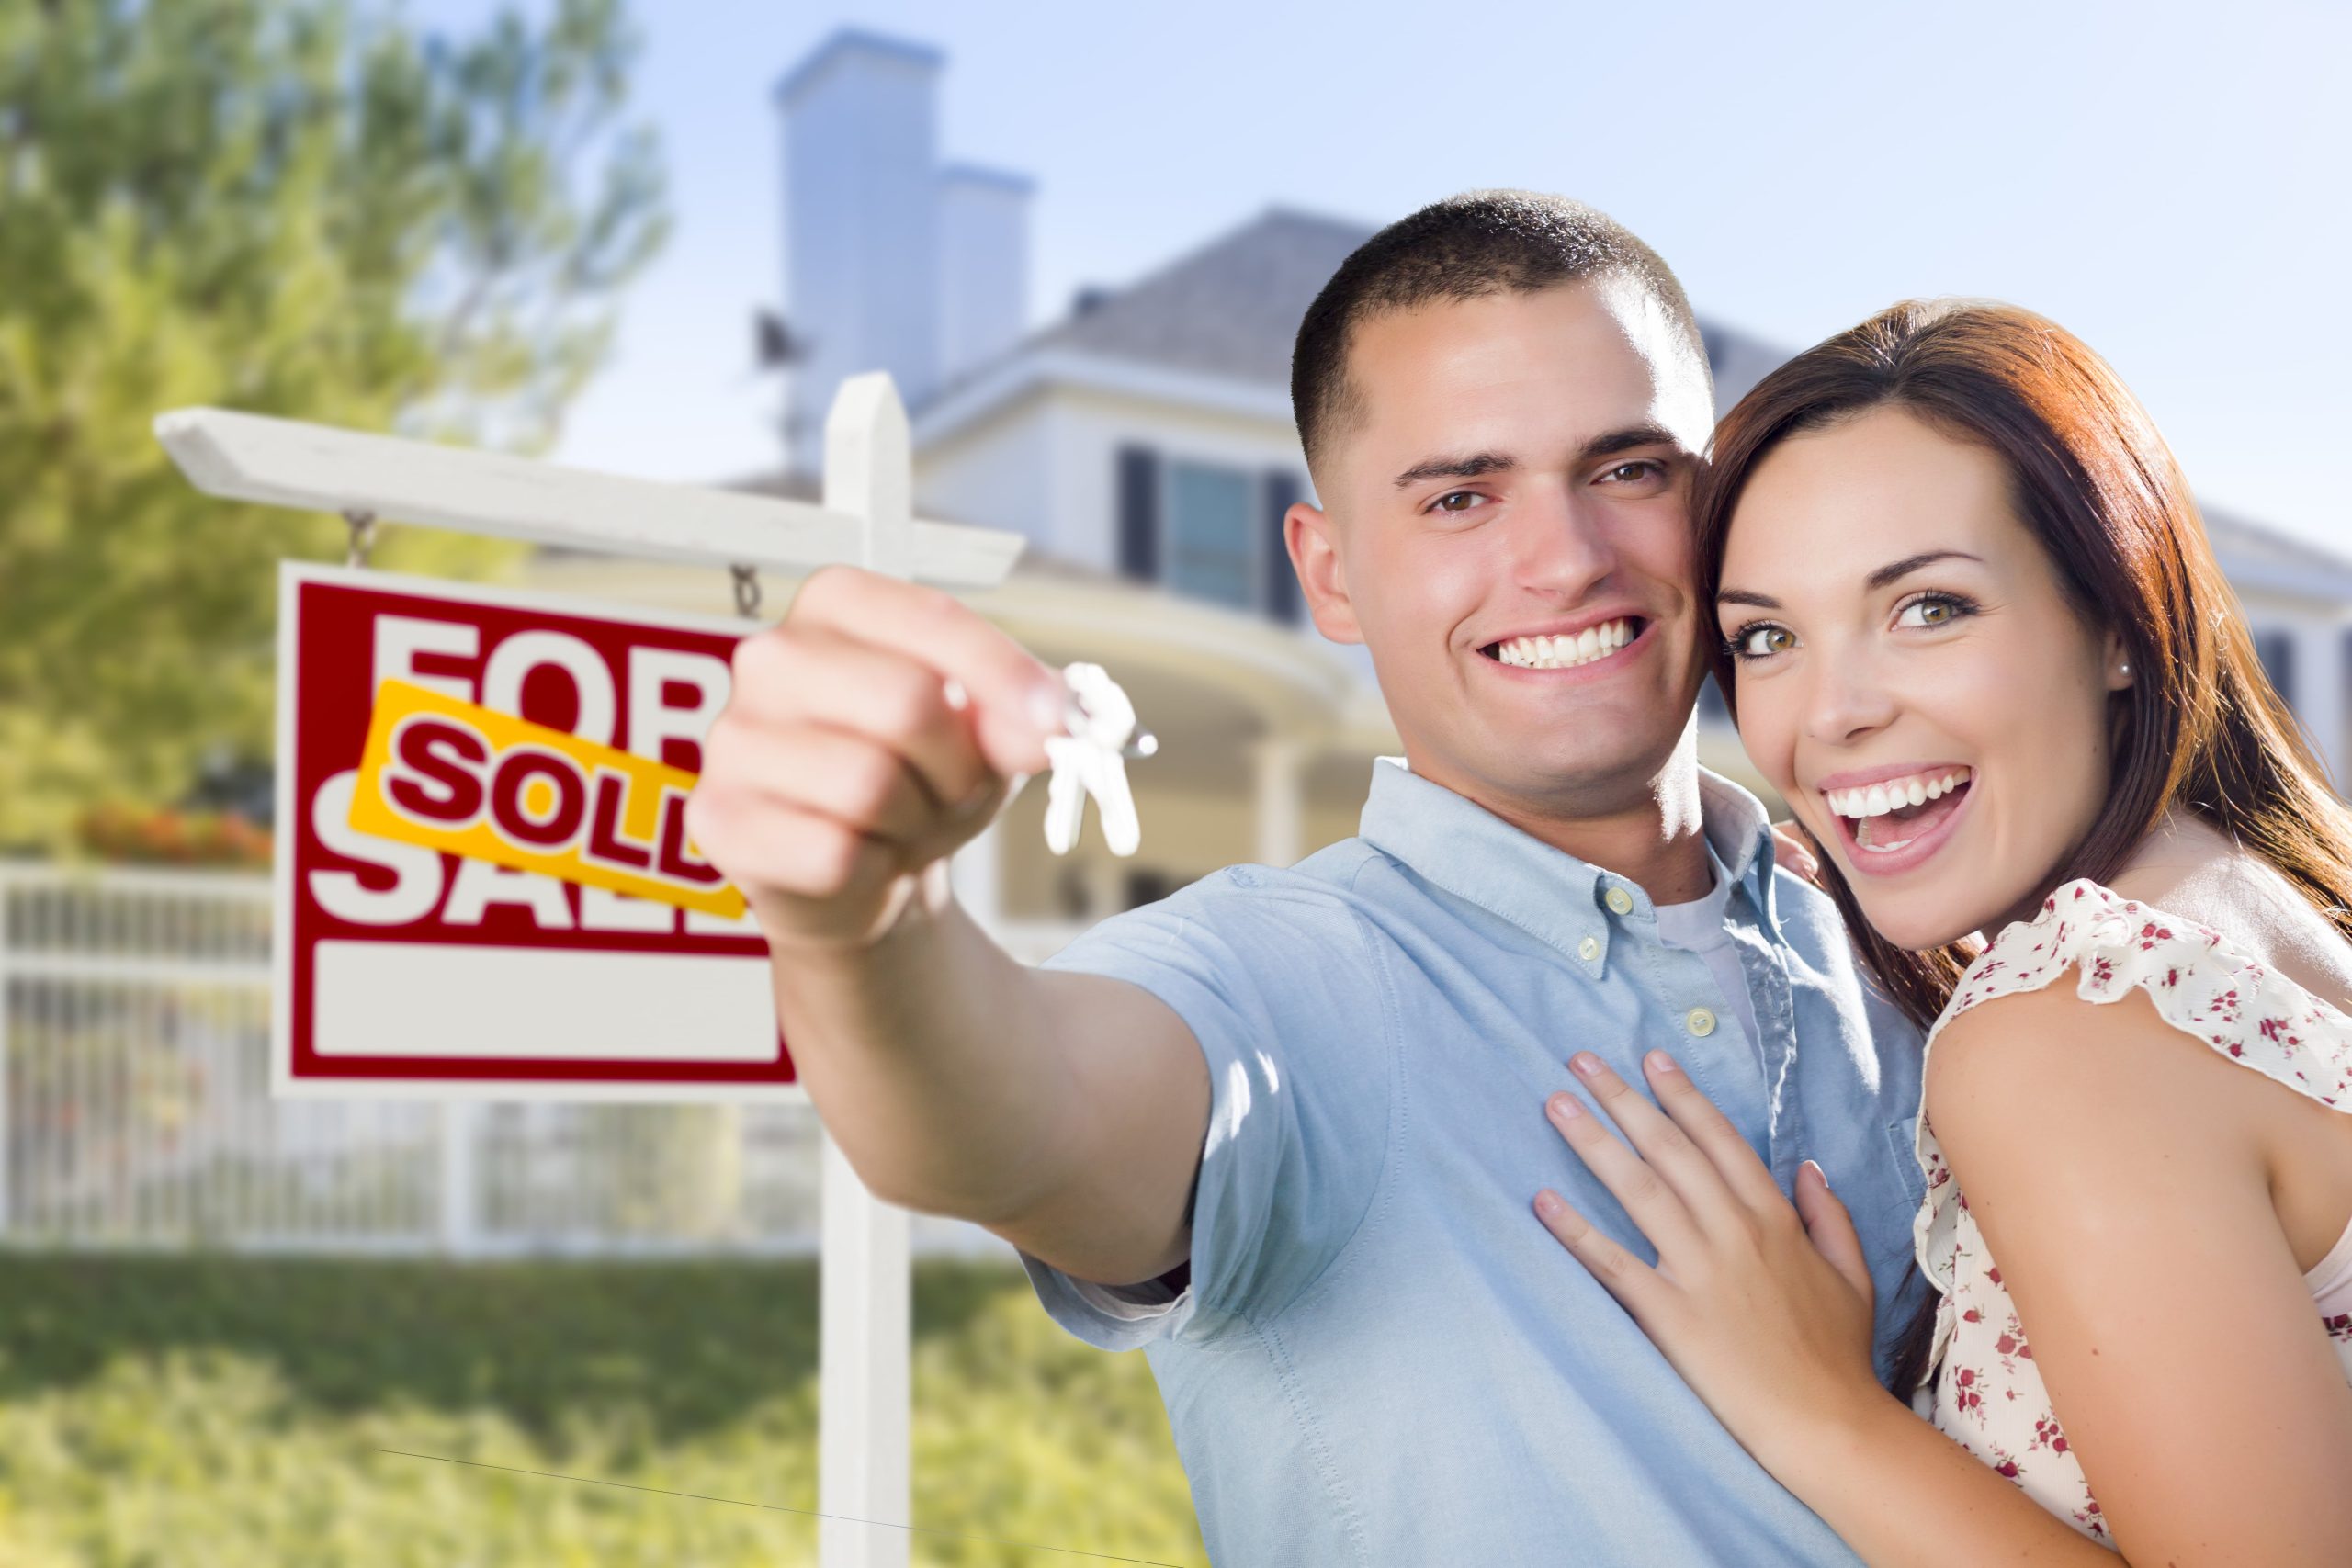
(977, 874)
(1278, 767)
(2320, 696)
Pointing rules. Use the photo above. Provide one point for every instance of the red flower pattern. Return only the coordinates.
(1988, 1394)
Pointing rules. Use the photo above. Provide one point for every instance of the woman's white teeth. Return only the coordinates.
(1892, 795)
(1567, 651)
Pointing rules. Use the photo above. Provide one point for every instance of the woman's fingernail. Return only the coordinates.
(1547, 1203)
(1584, 1063)
(1818, 1174)
(1662, 1063)
(1564, 1107)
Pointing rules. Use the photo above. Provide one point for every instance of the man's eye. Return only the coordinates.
(1631, 472)
(1455, 501)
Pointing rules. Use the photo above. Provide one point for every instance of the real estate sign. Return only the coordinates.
(485, 886)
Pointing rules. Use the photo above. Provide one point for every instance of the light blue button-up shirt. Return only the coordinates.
(1381, 1358)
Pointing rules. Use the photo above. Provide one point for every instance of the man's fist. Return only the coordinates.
(871, 732)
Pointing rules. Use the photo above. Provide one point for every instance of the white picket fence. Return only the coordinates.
(135, 1112)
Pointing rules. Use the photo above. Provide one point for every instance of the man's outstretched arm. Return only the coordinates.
(870, 734)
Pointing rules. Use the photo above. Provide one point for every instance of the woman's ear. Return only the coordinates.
(2118, 664)
(1322, 577)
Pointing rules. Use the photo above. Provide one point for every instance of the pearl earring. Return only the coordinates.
(2124, 669)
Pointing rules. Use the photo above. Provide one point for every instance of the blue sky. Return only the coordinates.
(2173, 183)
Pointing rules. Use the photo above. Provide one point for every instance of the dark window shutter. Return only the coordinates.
(1281, 582)
(1139, 514)
(2277, 651)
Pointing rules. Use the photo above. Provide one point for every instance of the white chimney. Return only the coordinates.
(861, 209)
(983, 266)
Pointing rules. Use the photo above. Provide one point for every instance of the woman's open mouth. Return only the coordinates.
(1894, 824)
(1569, 651)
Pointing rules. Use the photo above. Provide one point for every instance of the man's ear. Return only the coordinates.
(1322, 578)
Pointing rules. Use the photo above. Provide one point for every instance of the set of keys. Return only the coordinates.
(1091, 760)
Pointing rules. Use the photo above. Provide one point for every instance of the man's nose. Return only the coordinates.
(1560, 549)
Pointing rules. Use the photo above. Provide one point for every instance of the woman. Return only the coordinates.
(1973, 634)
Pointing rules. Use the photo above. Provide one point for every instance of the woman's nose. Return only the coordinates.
(1846, 698)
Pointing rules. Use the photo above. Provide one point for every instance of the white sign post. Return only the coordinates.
(867, 519)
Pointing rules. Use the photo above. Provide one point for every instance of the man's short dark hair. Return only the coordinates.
(1482, 242)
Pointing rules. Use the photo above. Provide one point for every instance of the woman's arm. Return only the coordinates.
(1765, 1313)
(2118, 1170)
(2116, 1180)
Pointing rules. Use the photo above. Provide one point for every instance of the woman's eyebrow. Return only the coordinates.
(1895, 571)
(1892, 571)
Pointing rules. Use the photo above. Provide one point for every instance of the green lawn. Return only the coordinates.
(172, 1412)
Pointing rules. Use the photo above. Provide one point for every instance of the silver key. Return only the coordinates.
(1091, 760)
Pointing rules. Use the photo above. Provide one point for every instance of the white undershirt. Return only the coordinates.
(1698, 927)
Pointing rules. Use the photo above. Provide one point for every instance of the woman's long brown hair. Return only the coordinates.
(2199, 729)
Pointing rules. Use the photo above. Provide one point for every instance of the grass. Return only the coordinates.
(177, 1412)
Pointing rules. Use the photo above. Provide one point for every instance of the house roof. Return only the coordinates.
(1230, 309)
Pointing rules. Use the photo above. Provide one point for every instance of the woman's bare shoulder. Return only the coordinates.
(2188, 870)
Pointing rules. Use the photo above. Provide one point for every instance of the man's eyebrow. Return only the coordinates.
(1895, 571)
(1474, 466)
(1625, 440)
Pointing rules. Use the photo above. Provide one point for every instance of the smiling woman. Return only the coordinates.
(1974, 632)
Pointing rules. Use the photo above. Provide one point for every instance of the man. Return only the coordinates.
(1281, 1129)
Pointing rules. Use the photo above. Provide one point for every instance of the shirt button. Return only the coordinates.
(1618, 899)
(1588, 949)
(1702, 1023)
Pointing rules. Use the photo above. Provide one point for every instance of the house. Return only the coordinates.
(1142, 443)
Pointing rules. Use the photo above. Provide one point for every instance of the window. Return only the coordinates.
(1209, 538)
(1208, 530)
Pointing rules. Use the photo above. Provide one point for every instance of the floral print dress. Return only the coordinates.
(1988, 1395)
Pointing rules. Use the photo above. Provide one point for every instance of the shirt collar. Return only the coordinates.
(1460, 846)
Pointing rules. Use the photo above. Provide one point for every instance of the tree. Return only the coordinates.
(293, 207)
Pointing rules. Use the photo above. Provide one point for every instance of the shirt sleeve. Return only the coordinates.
(1286, 994)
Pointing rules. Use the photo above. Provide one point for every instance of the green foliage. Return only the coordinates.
(291, 207)
(198, 1410)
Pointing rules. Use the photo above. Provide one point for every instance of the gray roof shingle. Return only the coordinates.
(1231, 308)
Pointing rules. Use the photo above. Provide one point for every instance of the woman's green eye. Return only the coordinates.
(1762, 641)
(1937, 611)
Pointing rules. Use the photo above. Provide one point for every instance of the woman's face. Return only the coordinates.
(1911, 676)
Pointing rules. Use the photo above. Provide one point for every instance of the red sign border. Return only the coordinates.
(610, 1080)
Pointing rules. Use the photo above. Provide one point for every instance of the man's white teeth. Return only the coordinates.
(1565, 652)
(1878, 799)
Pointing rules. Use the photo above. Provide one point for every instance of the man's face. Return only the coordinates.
(1508, 531)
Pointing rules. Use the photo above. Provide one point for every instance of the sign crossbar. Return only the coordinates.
(283, 462)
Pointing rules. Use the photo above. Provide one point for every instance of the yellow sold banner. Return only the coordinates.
(448, 774)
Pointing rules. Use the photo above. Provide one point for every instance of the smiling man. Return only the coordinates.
(1281, 1129)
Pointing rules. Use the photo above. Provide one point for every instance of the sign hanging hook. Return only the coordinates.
(362, 525)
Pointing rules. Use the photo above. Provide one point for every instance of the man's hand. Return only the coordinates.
(869, 734)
